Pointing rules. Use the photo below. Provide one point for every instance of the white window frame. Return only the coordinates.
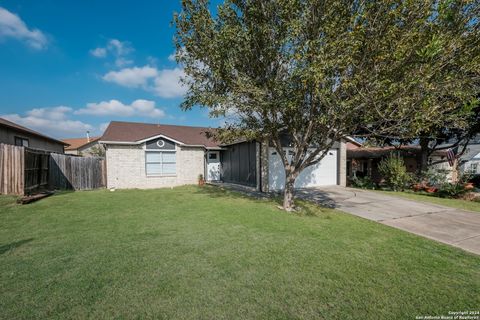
(161, 174)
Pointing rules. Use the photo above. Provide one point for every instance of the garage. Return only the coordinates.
(323, 173)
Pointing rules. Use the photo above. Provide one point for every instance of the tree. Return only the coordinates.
(97, 151)
(318, 71)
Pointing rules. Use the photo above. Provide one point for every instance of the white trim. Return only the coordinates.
(160, 136)
(352, 140)
(134, 143)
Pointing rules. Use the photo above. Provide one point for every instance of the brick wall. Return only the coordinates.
(126, 168)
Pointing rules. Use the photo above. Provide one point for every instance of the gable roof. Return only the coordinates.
(9, 124)
(472, 152)
(119, 132)
(77, 143)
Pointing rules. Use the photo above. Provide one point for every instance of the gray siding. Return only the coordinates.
(239, 164)
(7, 135)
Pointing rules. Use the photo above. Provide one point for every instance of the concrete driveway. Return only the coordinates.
(455, 227)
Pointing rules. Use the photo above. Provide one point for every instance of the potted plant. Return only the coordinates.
(465, 180)
(201, 181)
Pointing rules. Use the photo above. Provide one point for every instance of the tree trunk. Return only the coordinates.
(423, 160)
(289, 192)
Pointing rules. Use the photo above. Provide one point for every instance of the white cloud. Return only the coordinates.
(99, 52)
(172, 57)
(11, 26)
(116, 48)
(164, 83)
(113, 107)
(167, 83)
(132, 77)
(122, 62)
(54, 122)
(120, 48)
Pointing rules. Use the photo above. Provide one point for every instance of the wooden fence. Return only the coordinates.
(36, 170)
(11, 169)
(25, 171)
(77, 173)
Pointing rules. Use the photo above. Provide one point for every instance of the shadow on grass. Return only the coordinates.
(13, 245)
(311, 206)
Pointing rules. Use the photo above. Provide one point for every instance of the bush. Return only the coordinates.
(434, 177)
(394, 172)
(452, 190)
(363, 183)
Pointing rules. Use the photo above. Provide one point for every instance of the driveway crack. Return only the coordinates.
(468, 238)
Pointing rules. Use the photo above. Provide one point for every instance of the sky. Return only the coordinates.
(71, 66)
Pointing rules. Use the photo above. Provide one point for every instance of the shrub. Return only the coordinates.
(394, 172)
(363, 183)
(435, 177)
(452, 190)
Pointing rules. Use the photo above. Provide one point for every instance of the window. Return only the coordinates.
(212, 156)
(160, 163)
(22, 142)
(474, 167)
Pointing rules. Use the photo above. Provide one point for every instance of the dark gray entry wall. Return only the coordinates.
(238, 164)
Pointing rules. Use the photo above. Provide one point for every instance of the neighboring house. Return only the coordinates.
(86, 147)
(141, 155)
(12, 133)
(363, 162)
(470, 160)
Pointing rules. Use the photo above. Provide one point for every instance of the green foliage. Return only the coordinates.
(363, 183)
(452, 190)
(434, 177)
(322, 70)
(394, 172)
(97, 151)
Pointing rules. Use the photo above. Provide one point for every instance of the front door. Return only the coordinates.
(213, 166)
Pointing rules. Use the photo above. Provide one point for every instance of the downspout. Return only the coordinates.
(260, 167)
(205, 157)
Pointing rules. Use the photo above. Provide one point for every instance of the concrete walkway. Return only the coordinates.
(455, 227)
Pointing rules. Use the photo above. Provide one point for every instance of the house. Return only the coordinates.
(15, 134)
(141, 155)
(470, 160)
(86, 147)
(364, 161)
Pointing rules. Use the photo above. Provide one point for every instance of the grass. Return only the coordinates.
(454, 203)
(203, 253)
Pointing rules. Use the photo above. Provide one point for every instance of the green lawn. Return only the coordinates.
(202, 253)
(454, 203)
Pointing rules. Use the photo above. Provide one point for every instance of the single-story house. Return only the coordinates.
(85, 147)
(364, 161)
(15, 134)
(142, 155)
(470, 160)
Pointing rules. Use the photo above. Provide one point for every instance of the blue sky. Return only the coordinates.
(71, 66)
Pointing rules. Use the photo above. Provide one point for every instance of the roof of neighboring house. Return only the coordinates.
(6, 123)
(472, 151)
(134, 132)
(353, 141)
(77, 143)
(379, 152)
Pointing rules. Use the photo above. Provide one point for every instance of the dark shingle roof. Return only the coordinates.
(133, 132)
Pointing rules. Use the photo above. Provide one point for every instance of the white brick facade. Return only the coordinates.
(126, 167)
